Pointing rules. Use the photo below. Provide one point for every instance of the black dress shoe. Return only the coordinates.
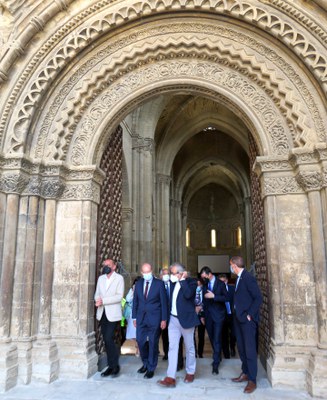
(149, 374)
(107, 372)
(115, 372)
(215, 370)
(142, 370)
(232, 352)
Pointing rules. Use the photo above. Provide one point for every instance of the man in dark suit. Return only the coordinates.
(183, 320)
(149, 315)
(247, 301)
(214, 297)
(228, 334)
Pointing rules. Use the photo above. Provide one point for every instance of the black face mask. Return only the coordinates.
(106, 270)
(205, 280)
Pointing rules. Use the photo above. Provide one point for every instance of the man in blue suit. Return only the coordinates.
(215, 296)
(149, 315)
(183, 320)
(247, 301)
(228, 334)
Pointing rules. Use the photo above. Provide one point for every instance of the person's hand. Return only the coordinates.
(163, 325)
(249, 317)
(134, 323)
(203, 321)
(98, 302)
(198, 309)
(209, 295)
(184, 275)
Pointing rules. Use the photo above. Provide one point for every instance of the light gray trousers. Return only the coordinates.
(175, 331)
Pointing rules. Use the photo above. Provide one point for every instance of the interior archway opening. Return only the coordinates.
(205, 189)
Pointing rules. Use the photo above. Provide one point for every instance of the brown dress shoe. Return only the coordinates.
(250, 387)
(189, 378)
(241, 378)
(167, 382)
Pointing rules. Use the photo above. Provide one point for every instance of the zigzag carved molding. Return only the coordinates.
(236, 8)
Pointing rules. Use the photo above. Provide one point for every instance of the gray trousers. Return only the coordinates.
(175, 331)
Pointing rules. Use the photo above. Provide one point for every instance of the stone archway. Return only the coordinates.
(51, 154)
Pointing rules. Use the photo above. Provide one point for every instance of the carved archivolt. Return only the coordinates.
(271, 20)
(73, 97)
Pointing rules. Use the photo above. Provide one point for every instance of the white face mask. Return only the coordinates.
(231, 269)
(174, 278)
(147, 277)
(165, 278)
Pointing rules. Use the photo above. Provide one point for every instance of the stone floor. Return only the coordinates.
(132, 386)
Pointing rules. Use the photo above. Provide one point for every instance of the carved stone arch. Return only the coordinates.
(123, 97)
(290, 106)
(22, 123)
(281, 20)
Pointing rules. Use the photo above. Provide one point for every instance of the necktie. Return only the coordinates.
(229, 311)
(167, 289)
(238, 279)
(146, 289)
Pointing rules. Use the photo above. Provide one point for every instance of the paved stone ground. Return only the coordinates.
(132, 386)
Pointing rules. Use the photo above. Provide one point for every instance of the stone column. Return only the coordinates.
(8, 350)
(30, 221)
(176, 234)
(45, 351)
(183, 239)
(143, 199)
(289, 255)
(311, 167)
(247, 230)
(163, 220)
(127, 232)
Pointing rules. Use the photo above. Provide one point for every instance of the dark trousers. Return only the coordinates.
(147, 338)
(214, 330)
(108, 329)
(165, 341)
(165, 345)
(228, 336)
(246, 333)
(200, 329)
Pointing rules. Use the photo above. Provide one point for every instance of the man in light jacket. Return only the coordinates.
(108, 296)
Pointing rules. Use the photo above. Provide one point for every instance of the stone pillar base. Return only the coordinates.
(45, 360)
(24, 347)
(287, 366)
(316, 375)
(8, 366)
(78, 358)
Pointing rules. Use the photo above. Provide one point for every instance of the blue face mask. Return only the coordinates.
(147, 277)
(198, 289)
(231, 269)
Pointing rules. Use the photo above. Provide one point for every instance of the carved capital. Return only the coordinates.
(280, 185)
(82, 191)
(127, 214)
(310, 180)
(165, 179)
(302, 157)
(143, 144)
(13, 182)
(267, 164)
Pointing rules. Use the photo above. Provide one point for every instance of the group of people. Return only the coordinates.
(173, 307)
